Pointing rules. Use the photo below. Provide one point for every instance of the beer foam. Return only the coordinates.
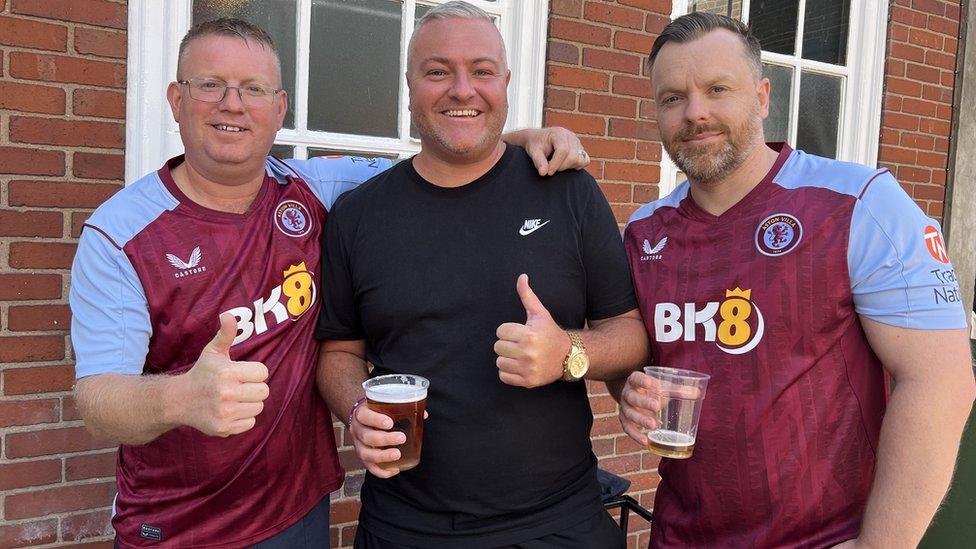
(396, 393)
(666, 437)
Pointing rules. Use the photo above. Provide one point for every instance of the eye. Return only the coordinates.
(669, 99)
(719, 89)
(436, 73)
(484, 72)
(256, 90)
(210, 85)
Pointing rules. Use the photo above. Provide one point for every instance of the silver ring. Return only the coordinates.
(582, 153)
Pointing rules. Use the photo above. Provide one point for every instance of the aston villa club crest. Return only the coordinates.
(292, 218)
(778, 234)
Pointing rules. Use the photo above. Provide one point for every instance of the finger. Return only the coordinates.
(558, 161)
(533, 306)
(539, 159)
(634, 431)
(379, 472)
(508, 365)
(225, 335)
(251, 372)
(248, 410)
(511, 379)
(511, 331)
(581, 160)
(366, 417)
(508, 349)
(241, 426)
(641, 418)
(253, 392)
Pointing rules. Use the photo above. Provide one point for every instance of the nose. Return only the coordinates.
(233, 100)
(696, 108)
(461, 88)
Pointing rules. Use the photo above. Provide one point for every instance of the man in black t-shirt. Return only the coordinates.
(463, 265)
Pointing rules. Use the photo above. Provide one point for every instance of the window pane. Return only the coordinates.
(418, 15)
(283, 151)
(354, 67)
(774, 23)
(825, 31)
(730, 8)
(277, 17)
(777, 124)
(819, 113)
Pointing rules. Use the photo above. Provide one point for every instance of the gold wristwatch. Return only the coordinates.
(577, 362)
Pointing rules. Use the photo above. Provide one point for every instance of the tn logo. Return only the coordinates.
(737, 333)
(290, 300)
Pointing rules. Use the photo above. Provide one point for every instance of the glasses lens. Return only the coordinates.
(207, 90)
(213, 91)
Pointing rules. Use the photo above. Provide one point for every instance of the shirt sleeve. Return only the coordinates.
(899, 268)
(609, 289)
(330, 176)
(110, 327)
(339, 315)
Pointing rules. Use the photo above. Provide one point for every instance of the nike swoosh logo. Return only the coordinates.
(524, 232)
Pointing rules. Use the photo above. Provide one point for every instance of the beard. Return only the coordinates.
(702, 163)
(428, 129)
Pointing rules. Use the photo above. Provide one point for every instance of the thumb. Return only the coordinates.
(539, 159)
(225, 335)
(533, 307)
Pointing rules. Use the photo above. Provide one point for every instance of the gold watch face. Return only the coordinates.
(577, 365)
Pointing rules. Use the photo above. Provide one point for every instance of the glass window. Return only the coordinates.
(819, 113)
(777, 124)
(774, 23)
(825, 31)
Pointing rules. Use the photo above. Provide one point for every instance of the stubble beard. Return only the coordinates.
(704, 166)
(490, 138)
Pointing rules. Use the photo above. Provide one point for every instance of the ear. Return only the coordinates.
(174, 96)
(508, 77)
(282, 107)
(762, 92)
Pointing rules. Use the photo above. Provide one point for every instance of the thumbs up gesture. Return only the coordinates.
(531, 354)
(224, 397)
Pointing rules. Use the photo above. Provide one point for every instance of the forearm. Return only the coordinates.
(616, 346)
(129, 409)
(917, 451)
(339, 378)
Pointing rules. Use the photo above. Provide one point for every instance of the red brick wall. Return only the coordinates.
(917, 112)
(62, 110)
(596, 86)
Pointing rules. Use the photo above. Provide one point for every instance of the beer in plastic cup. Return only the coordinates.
(402, 397)
(681, 396)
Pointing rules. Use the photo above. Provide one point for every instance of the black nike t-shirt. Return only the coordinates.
(426, 274)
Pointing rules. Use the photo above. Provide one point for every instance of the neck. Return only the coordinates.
(221, 192)
(716, 197)
(445, 172)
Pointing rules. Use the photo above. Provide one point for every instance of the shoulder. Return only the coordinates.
(132, 209)
(353, 202)
(353, 169)
(669, 202)
(808, 171)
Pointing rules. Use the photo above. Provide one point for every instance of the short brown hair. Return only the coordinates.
(697, 24)
(226, 26)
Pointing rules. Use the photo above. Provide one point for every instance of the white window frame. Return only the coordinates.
(155, 31)
(860, 124)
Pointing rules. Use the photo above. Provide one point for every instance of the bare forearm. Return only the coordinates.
(128, 409)
(339, 378)
(616, 347)
(917, 452)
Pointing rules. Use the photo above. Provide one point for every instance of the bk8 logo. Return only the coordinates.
(740, 328)
(292, 299)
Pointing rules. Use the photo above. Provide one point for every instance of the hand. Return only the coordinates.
(224, 397)
(373, 440)
(639, 401)
(555, 149)
(531, 354)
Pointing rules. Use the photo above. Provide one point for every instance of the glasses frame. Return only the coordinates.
(240, 94)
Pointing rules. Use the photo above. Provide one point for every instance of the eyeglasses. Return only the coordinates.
(214, 91)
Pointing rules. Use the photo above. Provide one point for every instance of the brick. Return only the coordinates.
(913, 175)
(942, 144)
(910, 17)
(925, 38)
(39, 503)
(933, 160)
(341, 512)
(38, 318)
(569, 8)
(941, 60)
(897, 155)
(99, 166)
(923, 73)
(951, 46)
(100, 42)
(889, 136)
(560, 99)
(609, 148)
(52, 441)
(70, 70)
(937, 93)
(69, 409)
(944, 112)
(620, 17)
(31, 348)
(30, 223)
(37, 379)
(633, 129)
(563, 52)
(29, 533)
(15, 96)
(920, 107)
(635, 42)
(646, 193)
(28, 412)
(613, 61)
(78, 220)
(108, 544)
(56, 194)
(23, 161)
(622, 212)
(917, 141)
(952, 11)
(929, 192)
(659, 6)
(602, 446)
(935, 209)
(33, 34)
(101, 13)
(942, 25)
(87, 525)
(627, 85)
(932, 7)
(892, 103)
(106, 104)
(614, 192)
(41, 255)
(577, 78)
(637, 173)
(579, 123)
(626, 445)
(602, 104)
(579, 32)
(899, 33)
(90, 466)
(902, 86)
(53, 131)
(350, 461)
(649, 152)
(907, 52)
(900, 121)
(31, 473)
(656, 22)
(22, 287)
(621, 464)
(894, 67)
(595, 169)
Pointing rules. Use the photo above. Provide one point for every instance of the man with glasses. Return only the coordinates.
(222, 232)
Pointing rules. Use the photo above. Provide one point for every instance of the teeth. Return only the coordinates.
(222, 127)
(467, 112)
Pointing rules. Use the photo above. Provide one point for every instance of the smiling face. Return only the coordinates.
(710, 104)
(458, 80)
(223, 140)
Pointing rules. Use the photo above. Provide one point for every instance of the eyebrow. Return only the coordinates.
(446, 61)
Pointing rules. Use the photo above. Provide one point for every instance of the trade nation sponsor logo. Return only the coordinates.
(739, 331)
(778, 234)
(935, 245)
(287, 301)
